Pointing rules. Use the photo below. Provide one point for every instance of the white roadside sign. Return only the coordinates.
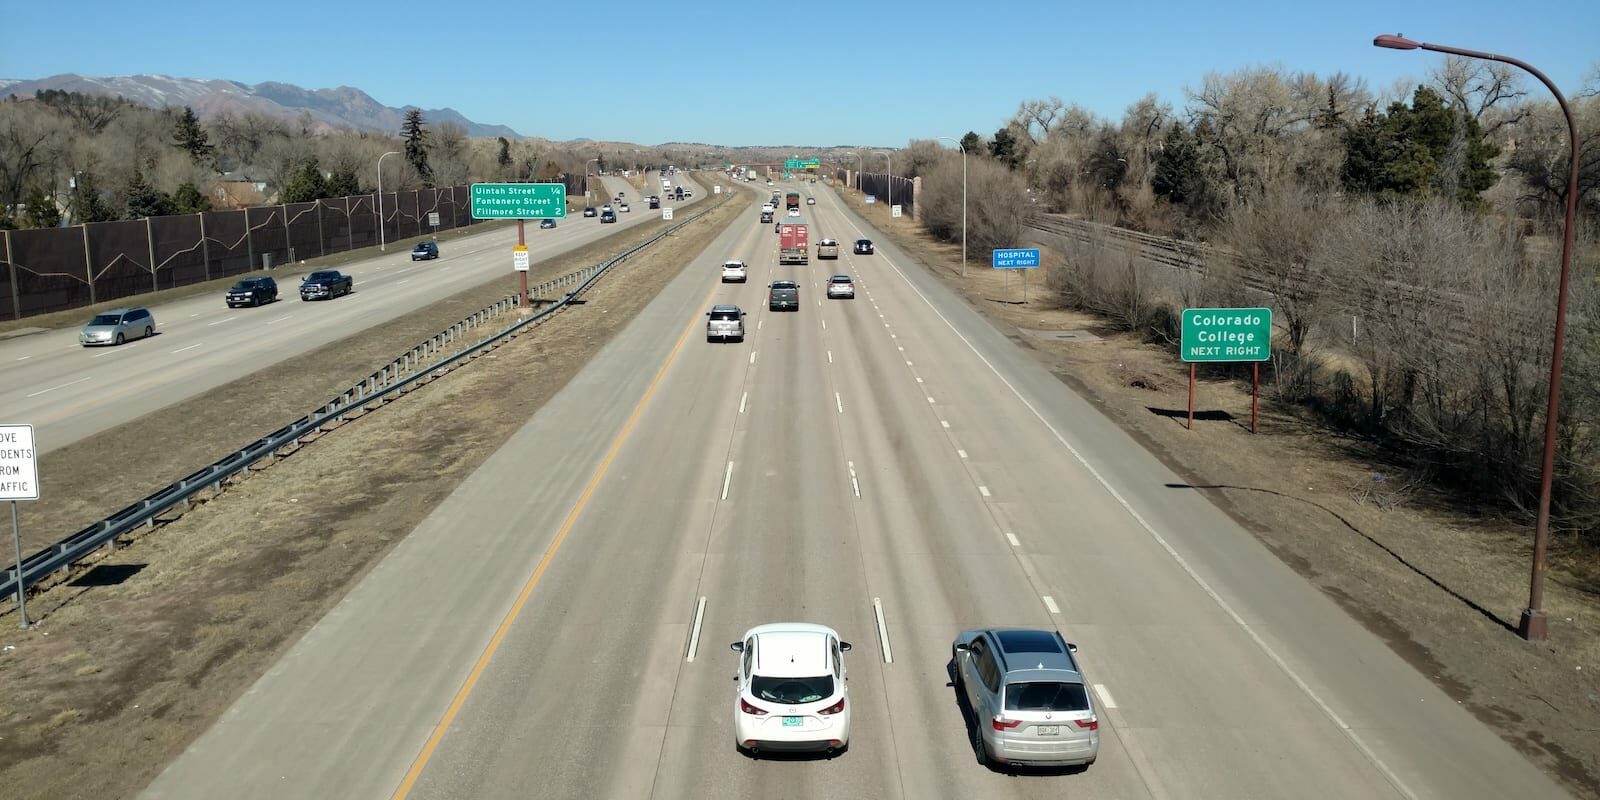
(433, 218)
(519, 258)
(666, 213)
(716, 189)
(894, 210)
(19, 463)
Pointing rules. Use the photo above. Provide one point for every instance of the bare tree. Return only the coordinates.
(25, 151)
(1487, 91)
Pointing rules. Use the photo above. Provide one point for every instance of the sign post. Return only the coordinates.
(19, 480)
(1221, 335)
(1023, 259)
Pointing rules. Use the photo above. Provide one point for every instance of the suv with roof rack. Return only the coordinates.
(1030, 702)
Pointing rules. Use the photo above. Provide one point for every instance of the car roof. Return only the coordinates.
(785, 285)
(1031, 653)
(724, 308)
(840, 276)
(792, 649)
(123, 310)
(859, 241)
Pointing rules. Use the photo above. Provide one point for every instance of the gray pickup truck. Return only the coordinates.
(783, 295)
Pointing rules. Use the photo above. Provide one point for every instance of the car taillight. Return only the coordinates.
(750, 709)
(1002, 724)
(834, 709)
(1088, 724)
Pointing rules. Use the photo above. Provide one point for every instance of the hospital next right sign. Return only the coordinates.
(1227, 334)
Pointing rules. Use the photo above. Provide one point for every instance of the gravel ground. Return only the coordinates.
(136, 657)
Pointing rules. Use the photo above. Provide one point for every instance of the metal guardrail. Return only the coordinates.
(429, 358)
(1188, 256)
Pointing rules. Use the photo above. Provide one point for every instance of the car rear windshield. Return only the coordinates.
(106, 319)
(1046, 696)
(792, 690)
(839, 279)
(725, 316)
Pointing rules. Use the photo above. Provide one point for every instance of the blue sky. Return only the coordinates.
(774, 73)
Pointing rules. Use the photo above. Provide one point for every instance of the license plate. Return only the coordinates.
(793, 722)
(1048, 730)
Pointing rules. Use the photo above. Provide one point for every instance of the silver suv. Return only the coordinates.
(1029, 700)
(724, 323)
(117, 326)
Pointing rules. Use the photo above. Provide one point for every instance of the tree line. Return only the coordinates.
(1407, 240)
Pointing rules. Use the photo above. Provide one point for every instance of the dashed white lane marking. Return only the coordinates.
(902, 348)
(402, 283)
(908, 363)
(919, 379)
(984, 490)
(24, 358)
(883, 630)
(839, 402)
(1105, 695)
(694, 637)
(1012, 538)
(930, 399)
(1050, 603)
(190, 347)
(192, 316)
(220, 321)
(752, 356)
(280, 319)
(855, 485)
(892, 336)
(759, 323)
(945, 423)
(824, 324)
(961, 453)
(53, 388)
(830, 356)
(727, 477)
(742, 398)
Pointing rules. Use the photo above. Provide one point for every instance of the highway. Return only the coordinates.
(69, 392)
(531, 637)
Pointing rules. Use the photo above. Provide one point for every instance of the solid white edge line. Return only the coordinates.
(1272, 654)
(883, 631)
(742, 398)
(694, 637)
(1105, 695)
(1012, 538)
(983, 490)
(1050, 603)
(727, 477)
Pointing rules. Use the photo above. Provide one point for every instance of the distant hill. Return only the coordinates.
(342, 107)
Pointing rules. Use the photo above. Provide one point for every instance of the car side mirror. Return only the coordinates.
(737, 647)
(844, 647)
(963, 648)
(1072, 648)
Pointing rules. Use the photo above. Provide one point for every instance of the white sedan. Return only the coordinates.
(792, 694)
(734, 271)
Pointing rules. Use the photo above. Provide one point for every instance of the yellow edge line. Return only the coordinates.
(527, 590)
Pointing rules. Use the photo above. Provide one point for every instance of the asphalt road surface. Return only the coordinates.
(69, 391)
(893, 447)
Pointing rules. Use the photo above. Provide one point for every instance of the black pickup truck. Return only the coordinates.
(325, 284)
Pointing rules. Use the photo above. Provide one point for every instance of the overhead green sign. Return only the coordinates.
(519, 201)
(1226, 334)
(801, 163)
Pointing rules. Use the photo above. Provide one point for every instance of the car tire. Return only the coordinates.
(981, 747)
(119, 339)
(148, 332)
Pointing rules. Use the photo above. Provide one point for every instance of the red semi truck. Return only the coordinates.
(794, 243)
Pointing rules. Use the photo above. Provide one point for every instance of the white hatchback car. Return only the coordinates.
(734, 271)
(792, 691)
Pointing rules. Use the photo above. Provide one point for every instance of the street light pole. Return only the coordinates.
(889, 179)
(1534, 626)
(381, 245)
(963, 203)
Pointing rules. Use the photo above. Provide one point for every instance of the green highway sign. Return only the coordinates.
(519, 201)
(801, 163)
(1227, 334)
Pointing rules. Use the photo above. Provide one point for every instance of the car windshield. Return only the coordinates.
(792, 690)
(322, 276)
(106, 319)
(1046, 696)
(244, 286)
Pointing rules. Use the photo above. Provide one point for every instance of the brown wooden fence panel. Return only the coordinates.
(180, 255)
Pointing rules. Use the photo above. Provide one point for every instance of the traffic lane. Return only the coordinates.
(609, 623)
(786, 551)
(69, 401)
(1355, 682)
(347, 709)
(938, 557)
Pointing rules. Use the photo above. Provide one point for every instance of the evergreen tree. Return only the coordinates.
(192, 139)
(142, 199)
(86, 204)
(1427, 147)
(344, 183)
(39, 209)
(416, 136)
(1177, 175)
(504, 158)
(305, 183)
(972, 142)
(1004, 146)
(189, 199)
